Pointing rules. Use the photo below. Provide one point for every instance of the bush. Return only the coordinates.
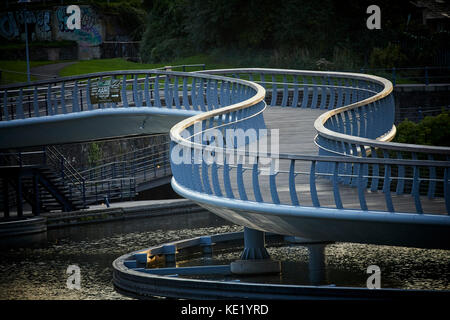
(388, 57)
(430, 131)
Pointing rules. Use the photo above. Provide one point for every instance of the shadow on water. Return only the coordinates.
(35, 267)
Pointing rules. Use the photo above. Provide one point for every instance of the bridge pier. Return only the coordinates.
(317, 264)
(255, 259)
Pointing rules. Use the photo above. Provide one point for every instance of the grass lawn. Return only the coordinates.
(100, 65)
(17, 70)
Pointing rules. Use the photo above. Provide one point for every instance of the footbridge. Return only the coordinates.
(330, 173)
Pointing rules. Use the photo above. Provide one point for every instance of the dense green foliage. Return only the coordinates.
(430, 131)
(292, 33)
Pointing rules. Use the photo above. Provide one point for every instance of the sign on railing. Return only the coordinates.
(105, 91)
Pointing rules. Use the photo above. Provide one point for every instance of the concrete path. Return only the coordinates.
(49, 70)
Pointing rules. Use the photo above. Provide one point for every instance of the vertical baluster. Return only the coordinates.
(63, 100)
(157, 98)
(387, 184)
(315, 93)
(175, 95)
(354, 180)
(185, 102)
(285, 92)
(292, 189)
(88, 94)
(348, 165)
(361, 187)
(124, 91)
(35, 101)
(205, 178)
(273, 185)
(240, 181)
(209, 103)
(375, 171)
(348, 125)
(337, 196)
(148, 102)
(323, 93)
(49, 101)
(295, 96)
(432, 182)
(167, 92)
(274, 91)
(305, 93)
(198, 186)
(226, 175)
(415, 190)
(19, 107)
(312, 184)
(401, 176)
(75, 103)
(136, 99)
(215, 179)
(263, 81)
(194, 94)
(332, 93)
(255, 182)
(362, 122)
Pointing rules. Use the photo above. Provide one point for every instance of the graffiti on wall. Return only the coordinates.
(12, 25)
(48, 25)
(88, 35)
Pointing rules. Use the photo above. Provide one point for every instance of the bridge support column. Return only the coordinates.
(317, 260)
(255, 259)
(317, 264)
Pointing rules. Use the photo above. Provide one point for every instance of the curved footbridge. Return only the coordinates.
(297, 153)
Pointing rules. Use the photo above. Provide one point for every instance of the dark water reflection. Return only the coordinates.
(38, 271)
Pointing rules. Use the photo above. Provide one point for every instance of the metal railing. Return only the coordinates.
(350, 137)
(353, 135)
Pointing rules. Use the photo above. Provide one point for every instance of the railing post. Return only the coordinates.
(426, 76)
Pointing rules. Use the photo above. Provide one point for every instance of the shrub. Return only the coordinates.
(430, 131)
(388, 57)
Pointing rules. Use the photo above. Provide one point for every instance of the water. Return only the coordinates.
(38, 271)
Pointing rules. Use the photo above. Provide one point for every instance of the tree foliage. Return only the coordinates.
(179, 27)
(433, 131)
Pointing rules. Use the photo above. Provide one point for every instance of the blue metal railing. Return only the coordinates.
(359, 126)
(353, 135)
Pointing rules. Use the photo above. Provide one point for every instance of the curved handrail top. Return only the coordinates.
(116, 73)
(350, 75)
(175, 131)
(383, 142)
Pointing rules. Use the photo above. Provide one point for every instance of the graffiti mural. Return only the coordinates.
(90, 33)
(12, 25)
(48, 25)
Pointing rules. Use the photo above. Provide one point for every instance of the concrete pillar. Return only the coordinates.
(255, 259)
(317, 264)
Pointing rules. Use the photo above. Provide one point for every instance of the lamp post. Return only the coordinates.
(26, 37)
